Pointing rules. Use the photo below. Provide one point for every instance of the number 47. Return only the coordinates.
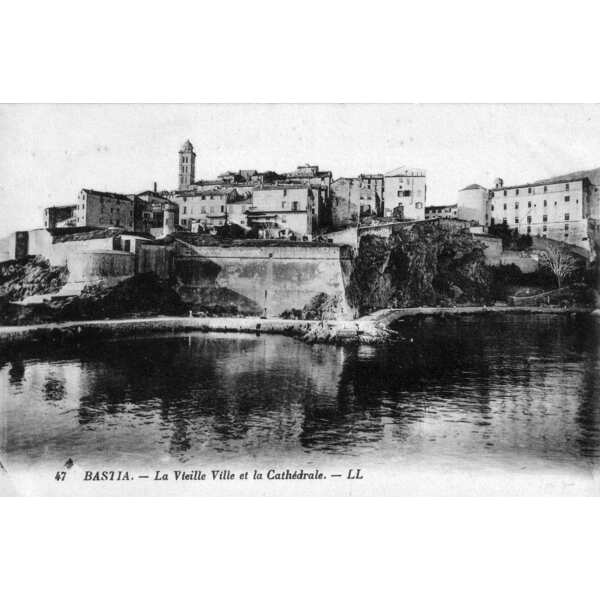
(60, 475)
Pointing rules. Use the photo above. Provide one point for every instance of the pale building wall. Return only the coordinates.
(262, 280)
(407, 190)
(472, 204)
(556, 211)
(204, 208)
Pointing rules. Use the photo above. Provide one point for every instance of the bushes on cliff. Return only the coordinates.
(425, 264)
(144, 294)
(28, 277)
(320, 307)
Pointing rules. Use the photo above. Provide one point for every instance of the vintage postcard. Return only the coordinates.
(320, 300)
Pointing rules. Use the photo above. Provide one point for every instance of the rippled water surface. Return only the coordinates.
(498, 390)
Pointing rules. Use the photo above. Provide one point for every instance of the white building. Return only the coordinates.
(557, 209)
(406, 188)
(472, 203)
(281, 211)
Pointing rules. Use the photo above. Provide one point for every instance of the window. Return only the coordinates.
(567, 198)
(294, 205)
(566, 227)
(406, 193)
(419, 205)
(504, 221)
(505, 192)
(566, 216)
(185, 210)
(491, 194)
(567, 187)
(283, 204)
(516, 206)
(505, 207)
(222, 208)
(545, 228)
(545, 202)
(529, 205)
(545, 218)
(517, 191)
(529, 190)
(528, 230)
(212, 210)
(529, 219)
(516, 219)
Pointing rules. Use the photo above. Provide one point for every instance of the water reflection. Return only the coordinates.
(478, 388)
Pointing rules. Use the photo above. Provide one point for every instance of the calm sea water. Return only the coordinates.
(503, 391)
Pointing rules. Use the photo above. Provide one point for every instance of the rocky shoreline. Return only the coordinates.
(370, 330)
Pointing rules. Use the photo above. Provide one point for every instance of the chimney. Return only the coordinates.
(155, 187)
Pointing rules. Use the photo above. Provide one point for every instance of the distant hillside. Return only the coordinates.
(593, 175)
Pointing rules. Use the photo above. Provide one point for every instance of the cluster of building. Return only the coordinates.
(294, 205)
(307, 202)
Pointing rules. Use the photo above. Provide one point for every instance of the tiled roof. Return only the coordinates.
(82, 236)
(107, 194)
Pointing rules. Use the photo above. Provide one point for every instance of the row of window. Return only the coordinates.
(567, 199)
(544, 218)
(544, 227)
(530, 190)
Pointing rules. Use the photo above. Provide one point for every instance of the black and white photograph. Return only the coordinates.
(299, 299)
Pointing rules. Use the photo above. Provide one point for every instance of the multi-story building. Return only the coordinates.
(345, 202)
(237, 208)
(472, 203)
(557, 208)
(149, 212)
(205, 207)
(281, 211)
(104, 209)
(60, 216)
(443, 211)
(405, 189)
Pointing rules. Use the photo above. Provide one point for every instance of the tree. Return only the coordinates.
(561, 263)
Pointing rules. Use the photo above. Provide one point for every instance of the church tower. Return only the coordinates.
(187, 165)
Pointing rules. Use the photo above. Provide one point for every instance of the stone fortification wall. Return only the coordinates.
(259, 279)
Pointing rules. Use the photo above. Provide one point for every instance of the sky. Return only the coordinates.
(51, 151)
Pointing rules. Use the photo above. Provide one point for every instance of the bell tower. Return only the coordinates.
(187, 165)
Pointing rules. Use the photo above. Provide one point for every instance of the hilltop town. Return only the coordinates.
(295, 244)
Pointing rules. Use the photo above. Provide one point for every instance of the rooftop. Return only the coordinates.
(554, 180)
(197, 239)
(473, 186)
(405, 171)
(112, 195)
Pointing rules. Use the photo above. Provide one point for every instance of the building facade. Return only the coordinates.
(445, 211)
(283, 211)
(558, 209)
(345, 202)
(472, 203)
(104, 209)
(405, 189)
(151, 211)
(203, 208)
